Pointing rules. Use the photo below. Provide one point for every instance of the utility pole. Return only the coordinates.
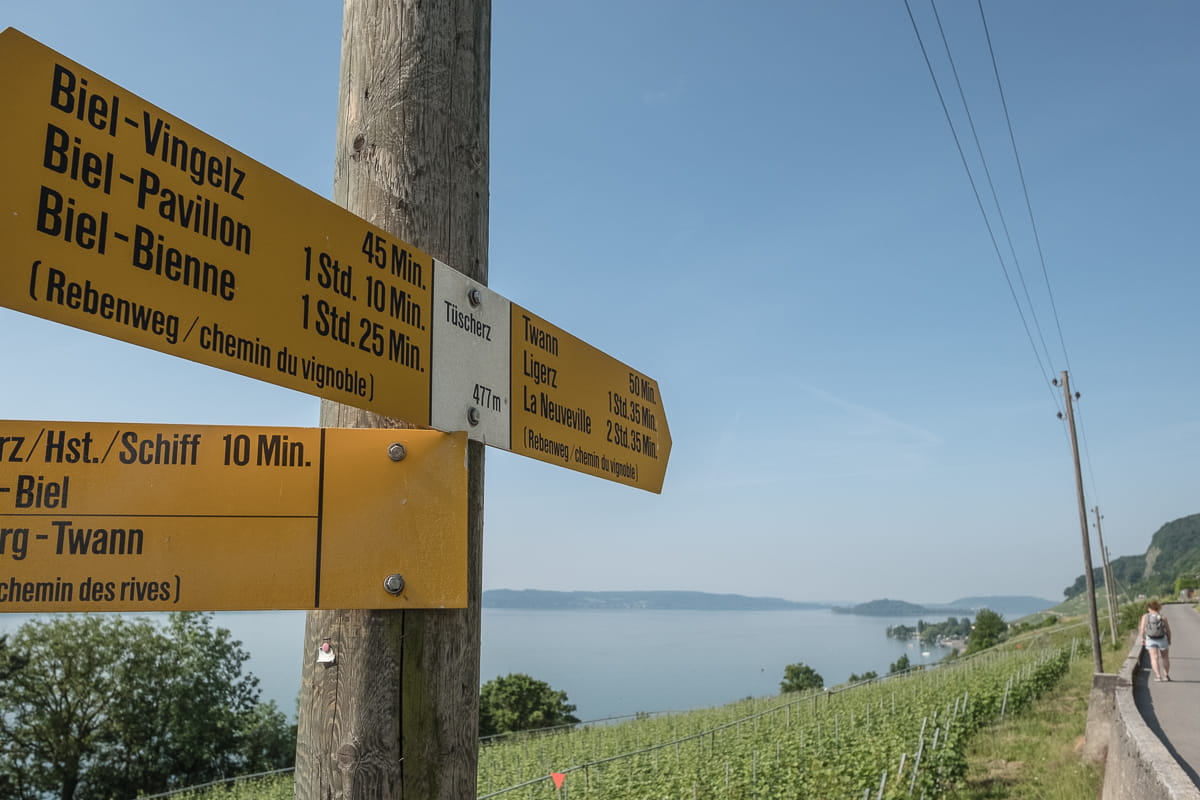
(395, 714)
(1089, 579)
(1109, 587)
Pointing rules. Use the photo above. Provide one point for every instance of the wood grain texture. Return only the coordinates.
(396, 715)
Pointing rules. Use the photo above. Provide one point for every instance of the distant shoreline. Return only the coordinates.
(545, 600)
(537, 599)
(899, 608)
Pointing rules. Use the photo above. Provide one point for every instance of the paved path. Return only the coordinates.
(1172, 710)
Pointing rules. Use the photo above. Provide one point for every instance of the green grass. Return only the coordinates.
(1077, 607)
(1037, 755)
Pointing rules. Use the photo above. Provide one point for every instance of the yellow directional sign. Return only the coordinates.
(120, 517)
(117, 218)
(575, 406)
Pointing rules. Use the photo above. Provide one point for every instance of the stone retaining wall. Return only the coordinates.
(1137, 764)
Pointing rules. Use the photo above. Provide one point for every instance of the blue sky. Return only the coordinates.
(761, 206)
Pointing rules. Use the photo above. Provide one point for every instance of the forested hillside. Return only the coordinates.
(1174, 552)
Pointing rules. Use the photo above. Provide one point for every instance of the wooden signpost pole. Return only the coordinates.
(390, 709)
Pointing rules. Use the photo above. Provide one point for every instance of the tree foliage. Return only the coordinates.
(1129, 616)
(1048, 621)
(104, 706)
(517, 702)
(931, 632)
(10, 664)
(900, 665)
(799, 677)
(990, 629)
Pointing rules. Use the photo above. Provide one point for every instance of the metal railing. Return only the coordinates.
(223, 781)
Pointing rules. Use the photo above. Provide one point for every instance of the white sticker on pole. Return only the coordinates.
(470, 386)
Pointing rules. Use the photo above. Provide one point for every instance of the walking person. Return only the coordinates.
(1156, 638)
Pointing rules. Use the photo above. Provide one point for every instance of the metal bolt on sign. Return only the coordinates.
(393, 584)
(397, 451)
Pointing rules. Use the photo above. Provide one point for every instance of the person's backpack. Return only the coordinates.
(1155, 627)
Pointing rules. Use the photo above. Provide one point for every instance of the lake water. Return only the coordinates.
(612, 663)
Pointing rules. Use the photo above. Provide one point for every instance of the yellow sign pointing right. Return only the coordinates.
(577, 407)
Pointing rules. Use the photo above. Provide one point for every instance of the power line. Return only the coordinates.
(991, 183)
(1038, 355)
(1034, 228)
(979, 201)
(1024, 187)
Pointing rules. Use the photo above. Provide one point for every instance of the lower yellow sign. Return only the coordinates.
(120, 517)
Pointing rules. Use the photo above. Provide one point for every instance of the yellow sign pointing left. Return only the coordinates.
(120, 517)
(117, 218)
